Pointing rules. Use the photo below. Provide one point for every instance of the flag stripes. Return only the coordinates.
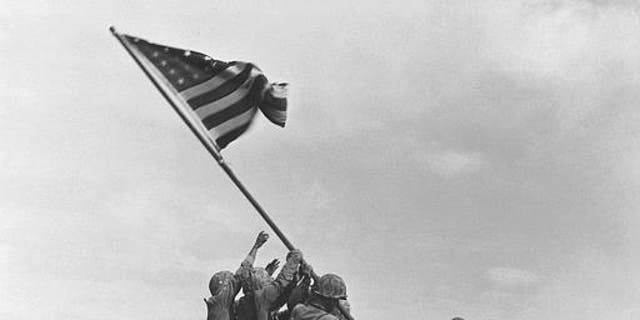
(228, 126)
(223, 97)
(226, 86)
(274, 106)
(235, 109)
(227, 73)
(233, 134)
(227, 100)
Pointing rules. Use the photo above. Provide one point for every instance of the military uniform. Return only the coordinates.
(311, 312)
(346, 306)
(328, 294)
(259, 300)
(224, 287)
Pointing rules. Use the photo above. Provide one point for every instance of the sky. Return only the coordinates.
(447, 158)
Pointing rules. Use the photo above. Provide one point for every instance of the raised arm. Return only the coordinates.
(285, 277)
(244, 273)
(272, 266)
(251, 256)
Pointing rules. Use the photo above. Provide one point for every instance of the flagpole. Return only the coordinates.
(212, 150)
(215, 153)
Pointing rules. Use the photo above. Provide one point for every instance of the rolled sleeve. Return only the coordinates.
(272, 291)
(244, 276)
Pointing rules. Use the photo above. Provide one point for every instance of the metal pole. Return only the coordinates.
(256, 205)
(155, 82)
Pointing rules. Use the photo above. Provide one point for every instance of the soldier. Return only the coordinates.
(246, 270)
(302, 290)
(323, 301)
(223, 287)
(261, 292)
(297, 292)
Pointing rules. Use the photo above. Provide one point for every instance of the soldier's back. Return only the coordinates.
(246, 309)
(310, 312)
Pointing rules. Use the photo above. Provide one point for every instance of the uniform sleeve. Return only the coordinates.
(243, 274)
(272, 291)
(299, 294)
(295, 313)
(247, 262)
(231, 293)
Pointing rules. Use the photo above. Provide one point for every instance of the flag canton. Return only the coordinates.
(182, 68)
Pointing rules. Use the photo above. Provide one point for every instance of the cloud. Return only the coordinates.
(508, 277)
(588, 287)
(448, 163)
(591, 4)
(526, 101)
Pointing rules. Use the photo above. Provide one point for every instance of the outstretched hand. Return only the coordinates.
(209, 304)
(272, 266)
(261, 239)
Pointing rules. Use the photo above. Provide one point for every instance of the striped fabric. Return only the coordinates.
(223, 96)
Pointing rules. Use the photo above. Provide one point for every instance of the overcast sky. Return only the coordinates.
(447, 158)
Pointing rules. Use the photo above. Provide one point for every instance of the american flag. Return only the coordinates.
(222, 96)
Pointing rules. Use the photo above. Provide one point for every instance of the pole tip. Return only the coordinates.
(112, 29)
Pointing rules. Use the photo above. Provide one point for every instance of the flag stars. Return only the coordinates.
(181, 81)
(195, 76)
(187, 53)
(172, 71)
(166, 49)
(156, 54)
(163, 63)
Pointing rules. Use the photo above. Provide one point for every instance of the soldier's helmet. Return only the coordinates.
(331, 286)
(219, 281)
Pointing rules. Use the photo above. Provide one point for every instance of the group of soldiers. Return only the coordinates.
(306, 296)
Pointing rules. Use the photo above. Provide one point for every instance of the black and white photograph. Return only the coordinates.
(320, 160)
